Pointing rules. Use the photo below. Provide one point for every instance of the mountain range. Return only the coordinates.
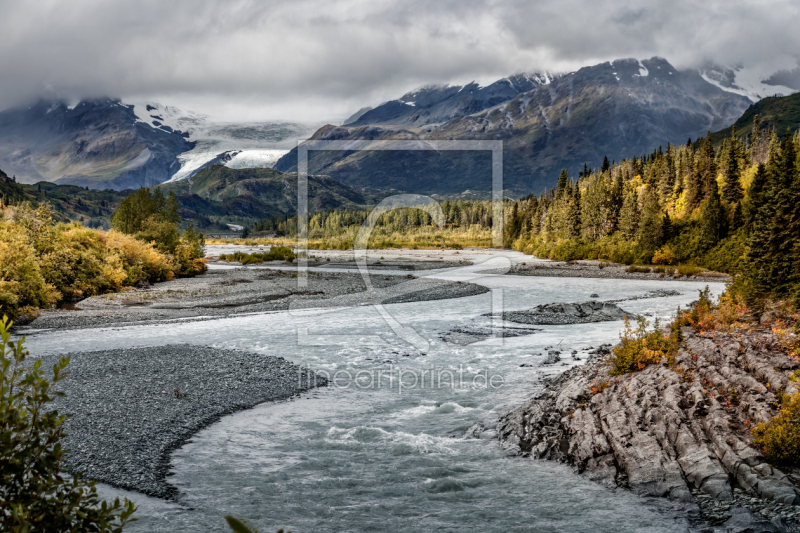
(546, 120)
(217, 195)
(616, 109)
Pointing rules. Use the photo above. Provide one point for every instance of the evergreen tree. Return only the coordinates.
(606, 166)
(629, 214)
(574, 213)
(615, 199)
(649, 233)
(666, 228)
(737, 221)
(732, 189)
(712, 219)
(706, 168)
(594, 212)
(563, 182)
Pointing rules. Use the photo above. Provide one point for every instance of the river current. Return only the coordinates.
(369, 455)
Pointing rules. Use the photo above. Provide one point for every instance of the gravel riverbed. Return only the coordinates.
(226, 291)
(131, 408)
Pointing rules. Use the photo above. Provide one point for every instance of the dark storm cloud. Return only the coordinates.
(307, 56)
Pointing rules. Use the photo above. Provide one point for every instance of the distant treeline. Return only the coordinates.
(457, 213)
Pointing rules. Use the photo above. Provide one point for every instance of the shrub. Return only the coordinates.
(636, 269)
(162, 234)
(34, 494)
(663, 256)
(276, 253)
(640, 348)
(23, 288)
(779, 439)
(702, 317)
(687, 270)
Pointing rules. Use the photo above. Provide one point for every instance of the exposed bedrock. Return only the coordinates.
(666, 430)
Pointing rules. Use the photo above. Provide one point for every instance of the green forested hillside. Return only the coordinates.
(732, 209)
(213, 198)
(90, 207)
(776, 112)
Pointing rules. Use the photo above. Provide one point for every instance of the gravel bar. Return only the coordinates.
(230, 291)
(599, 269)
(131, 408)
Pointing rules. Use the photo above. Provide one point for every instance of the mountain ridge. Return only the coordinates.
(616, 109)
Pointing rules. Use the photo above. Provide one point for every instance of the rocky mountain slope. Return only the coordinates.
(617, 109)
(433, 104)
(679, 430)
(107, 143)
(98, 143)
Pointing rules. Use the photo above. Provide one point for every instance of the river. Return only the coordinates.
(369, 455)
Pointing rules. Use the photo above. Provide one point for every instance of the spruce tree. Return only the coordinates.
(649, 233)
(629, 214)
(666, 228)
(771, 260)
(606, 166)
(615, 199)
(574, 213)
(732, 189)
(563, 181)
(706, 168)
(712, 219)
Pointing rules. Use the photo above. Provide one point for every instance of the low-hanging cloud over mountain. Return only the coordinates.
(304, 59)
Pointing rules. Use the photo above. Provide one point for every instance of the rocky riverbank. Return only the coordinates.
(680, 430)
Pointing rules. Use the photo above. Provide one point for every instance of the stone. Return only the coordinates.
(667, 430)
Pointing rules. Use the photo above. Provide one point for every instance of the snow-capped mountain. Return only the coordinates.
(235, 145)
(108, 143)
(618, 109)
(754, 81)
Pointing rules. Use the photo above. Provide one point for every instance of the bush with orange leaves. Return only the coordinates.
(639, 348)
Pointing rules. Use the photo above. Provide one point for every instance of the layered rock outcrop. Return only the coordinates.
(669, 429)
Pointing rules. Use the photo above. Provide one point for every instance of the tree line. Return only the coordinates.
(734, 208)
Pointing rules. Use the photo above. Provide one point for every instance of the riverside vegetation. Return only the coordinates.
(43, 262)
(35, 495)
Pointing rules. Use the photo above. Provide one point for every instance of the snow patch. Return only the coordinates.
(748, 81)
(643, 72)
(256, 158)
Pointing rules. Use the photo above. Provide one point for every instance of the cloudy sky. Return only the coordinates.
(319, 60)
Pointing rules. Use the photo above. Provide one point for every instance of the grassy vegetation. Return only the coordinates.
(780, 438)
(382, 238)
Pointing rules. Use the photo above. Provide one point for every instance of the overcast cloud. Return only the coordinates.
(309, 59)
